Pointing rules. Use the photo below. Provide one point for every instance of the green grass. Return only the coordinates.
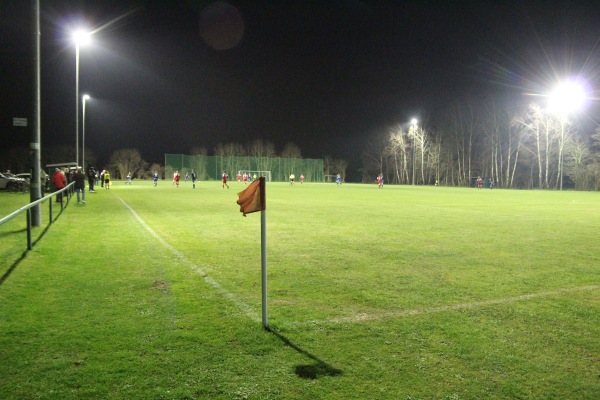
(399, 293)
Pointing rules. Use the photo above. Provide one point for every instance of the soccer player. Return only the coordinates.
(194, 177)
(245, 177)
(239, 176)
(106, 180)
(128, 181)
(176, 178)
(224, 180)
(338, 179)
(479, 182)
(155, 178)
(301, 179)
(292, 179)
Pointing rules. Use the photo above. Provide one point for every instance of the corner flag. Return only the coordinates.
(252, 198)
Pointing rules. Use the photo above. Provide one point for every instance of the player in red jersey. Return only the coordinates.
(224, 180)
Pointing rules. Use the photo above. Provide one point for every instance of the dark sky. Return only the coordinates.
(166, 76)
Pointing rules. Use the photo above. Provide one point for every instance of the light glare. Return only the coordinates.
(81, 37)
(567, 97)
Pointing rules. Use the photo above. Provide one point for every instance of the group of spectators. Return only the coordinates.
(62, 178)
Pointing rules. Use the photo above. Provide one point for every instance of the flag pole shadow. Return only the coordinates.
(308, 371)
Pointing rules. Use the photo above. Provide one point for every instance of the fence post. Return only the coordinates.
(50, 202)
(28, 216)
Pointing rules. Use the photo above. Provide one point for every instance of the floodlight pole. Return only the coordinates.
(263, 251)
(77, 103)
(35, 192)
(83, 100)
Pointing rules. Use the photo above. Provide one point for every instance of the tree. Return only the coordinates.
(125, 161)
(397, 146)
(291, 155)
(263, 152)
(372, 158)
(340, 166)
(578, 156)
(463, 127)
(154, 167)
(229, 154)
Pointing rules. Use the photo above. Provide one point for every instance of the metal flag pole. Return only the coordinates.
(263, 250)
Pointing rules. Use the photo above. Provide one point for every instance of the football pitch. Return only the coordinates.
(395, 293)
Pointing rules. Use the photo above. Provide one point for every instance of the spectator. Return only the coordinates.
(79, 179)
(60, 181)
(91, 178)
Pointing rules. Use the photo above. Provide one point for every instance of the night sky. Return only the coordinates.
(166, 76)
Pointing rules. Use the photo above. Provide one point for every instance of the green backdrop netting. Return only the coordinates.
(212, 167)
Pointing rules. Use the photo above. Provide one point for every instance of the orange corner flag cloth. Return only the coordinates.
(252, 199)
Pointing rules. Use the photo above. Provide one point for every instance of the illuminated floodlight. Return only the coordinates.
(81, 37)
(414, 121)
(567, 97)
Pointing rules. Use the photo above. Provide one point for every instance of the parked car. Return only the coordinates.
(25, 175)
(10, 182)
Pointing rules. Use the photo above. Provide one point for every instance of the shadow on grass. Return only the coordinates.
(14, 265)
(310, 371)
(4, 234)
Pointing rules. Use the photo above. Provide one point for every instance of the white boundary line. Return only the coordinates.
(245, 308)
(361, 317)
(431, 310)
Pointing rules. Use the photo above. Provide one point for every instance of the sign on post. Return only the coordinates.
(19, 121)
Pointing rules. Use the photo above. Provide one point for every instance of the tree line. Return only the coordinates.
(124, 161)
(514, 145)
(516, 148)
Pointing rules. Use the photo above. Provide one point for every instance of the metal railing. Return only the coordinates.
(68, 190)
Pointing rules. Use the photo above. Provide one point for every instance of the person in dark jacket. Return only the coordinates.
(79, 179)
(91, 173)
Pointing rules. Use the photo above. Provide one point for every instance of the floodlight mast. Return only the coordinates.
(83, 100)
(80, 37)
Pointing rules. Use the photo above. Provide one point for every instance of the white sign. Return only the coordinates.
(19, 121)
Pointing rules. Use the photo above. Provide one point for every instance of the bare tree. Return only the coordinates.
(463, 126)
(397, 147)
(199, 150)
(263, 153)
(125, 161)
(340, 166)
(291, 155)
(578, 157)
(229, 154)
(372, 159)
(154, 168)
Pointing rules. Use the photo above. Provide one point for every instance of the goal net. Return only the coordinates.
(252, 175)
